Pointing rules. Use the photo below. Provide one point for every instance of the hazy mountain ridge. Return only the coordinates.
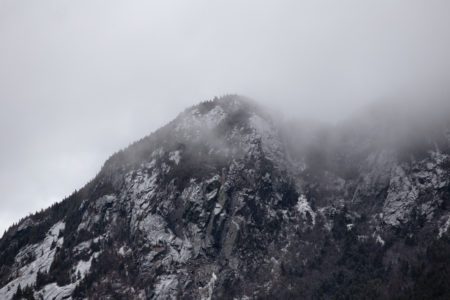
(225, 202)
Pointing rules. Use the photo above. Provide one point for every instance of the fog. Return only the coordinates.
(80, 80)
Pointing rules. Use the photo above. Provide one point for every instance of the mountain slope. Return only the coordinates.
(224, 202)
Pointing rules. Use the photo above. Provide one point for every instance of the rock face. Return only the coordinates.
(225, 203)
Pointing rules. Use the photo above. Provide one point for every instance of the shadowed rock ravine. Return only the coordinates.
(226, 202)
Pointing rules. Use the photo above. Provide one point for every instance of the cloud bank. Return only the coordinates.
(82, 79)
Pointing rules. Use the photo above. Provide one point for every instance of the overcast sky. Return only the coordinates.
(82, 79)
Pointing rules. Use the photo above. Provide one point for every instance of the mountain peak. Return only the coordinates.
(228, 127)
(217, 205)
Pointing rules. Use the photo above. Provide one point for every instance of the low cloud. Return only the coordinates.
(81, 79)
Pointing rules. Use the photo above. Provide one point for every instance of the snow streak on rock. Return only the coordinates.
(42, 257)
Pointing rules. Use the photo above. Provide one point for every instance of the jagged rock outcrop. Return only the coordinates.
(226, 203)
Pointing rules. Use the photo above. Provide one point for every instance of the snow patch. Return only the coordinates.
(175, 156)
(444, 228)
(55, 292)
(156, 230)
(206, 292)
(166, 287)
(304, 209)
(235, 224)
(43, 253)
(82, 246)
(86, 244)
(379, 240)
(217, 209)
(83, 267)
(122, 251)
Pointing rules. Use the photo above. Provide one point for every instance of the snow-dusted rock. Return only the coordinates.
(218, 204)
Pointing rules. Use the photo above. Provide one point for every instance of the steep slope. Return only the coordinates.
(225, 203)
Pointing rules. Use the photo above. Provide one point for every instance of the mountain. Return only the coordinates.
(227, 202)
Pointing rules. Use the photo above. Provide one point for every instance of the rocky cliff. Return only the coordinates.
(225, 202)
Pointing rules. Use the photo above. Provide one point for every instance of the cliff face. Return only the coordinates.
(225, 203)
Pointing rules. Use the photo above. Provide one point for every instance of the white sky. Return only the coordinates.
(81, 79)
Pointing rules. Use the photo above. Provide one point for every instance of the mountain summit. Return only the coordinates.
(225, 202)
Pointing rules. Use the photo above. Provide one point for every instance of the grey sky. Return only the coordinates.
(82, 79)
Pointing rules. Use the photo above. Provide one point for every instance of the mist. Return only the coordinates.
(80, 80)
